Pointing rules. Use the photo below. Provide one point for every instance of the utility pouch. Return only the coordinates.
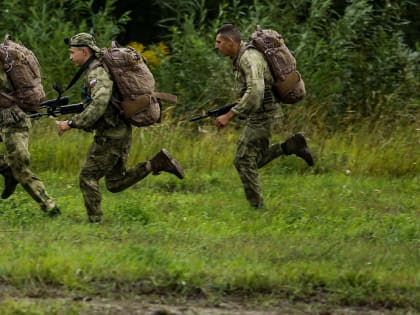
(291, 90)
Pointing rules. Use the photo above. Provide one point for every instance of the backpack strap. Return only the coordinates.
(165, 96)
(80, 72)
(241, 51)
(239, 55)
(75, 78)
(8, 100)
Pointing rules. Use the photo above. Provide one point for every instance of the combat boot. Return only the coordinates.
(95, 218)
(163, 162)
(297, 145)
(54, 212)
(10, 183)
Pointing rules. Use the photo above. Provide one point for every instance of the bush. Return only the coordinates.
(355, 63)
(43, 25)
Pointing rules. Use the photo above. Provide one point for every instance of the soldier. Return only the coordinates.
(107, 155)
(14, 164)
(256, 105)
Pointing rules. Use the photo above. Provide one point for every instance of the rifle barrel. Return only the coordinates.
(35, 115)
(214, 112)
(195, 118)
(59, 110)
(64, 100)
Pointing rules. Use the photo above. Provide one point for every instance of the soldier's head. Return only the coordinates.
(81, 47)
(228, 40)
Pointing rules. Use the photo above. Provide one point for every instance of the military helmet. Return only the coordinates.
(82, 40)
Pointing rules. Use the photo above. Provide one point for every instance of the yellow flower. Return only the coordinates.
(137, 46)
(163, 49)
(151, 58)
(151, 55)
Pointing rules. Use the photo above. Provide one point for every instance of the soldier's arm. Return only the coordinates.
(251, 64)
(101, 91)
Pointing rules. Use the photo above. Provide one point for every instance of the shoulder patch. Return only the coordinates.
(92, 83)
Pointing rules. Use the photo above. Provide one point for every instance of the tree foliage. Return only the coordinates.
(353, 55)
(42, 26)
(354, 62)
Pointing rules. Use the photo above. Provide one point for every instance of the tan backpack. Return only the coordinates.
(22, 69)
(288, 85)
(138, 101)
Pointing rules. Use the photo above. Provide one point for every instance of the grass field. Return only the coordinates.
(343, 234)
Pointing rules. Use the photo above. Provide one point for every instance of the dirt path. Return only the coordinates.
(158, 305)
(110, 307)
(104, 306)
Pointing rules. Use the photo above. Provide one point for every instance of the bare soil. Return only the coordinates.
(158, 305)
(228, 308)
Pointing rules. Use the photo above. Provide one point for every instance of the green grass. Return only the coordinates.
(350, 240)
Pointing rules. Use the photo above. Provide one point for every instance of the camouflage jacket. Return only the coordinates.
(99, 114)
(254, 78)
(11, 116)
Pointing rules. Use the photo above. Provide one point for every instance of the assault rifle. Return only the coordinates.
(56, 107)
(214, 112)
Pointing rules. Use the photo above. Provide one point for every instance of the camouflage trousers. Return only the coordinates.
(17, 157)
(107, 158)
(253, 152)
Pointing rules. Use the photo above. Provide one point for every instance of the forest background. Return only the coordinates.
(338, 45)
(340, 237)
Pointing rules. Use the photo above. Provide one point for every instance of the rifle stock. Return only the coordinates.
(214, 112)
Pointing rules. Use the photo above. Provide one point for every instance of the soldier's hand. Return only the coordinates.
(223, 120)
(62, 126)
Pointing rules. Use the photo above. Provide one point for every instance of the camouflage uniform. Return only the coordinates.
(257, 105)
(14, 131)
(108, 154)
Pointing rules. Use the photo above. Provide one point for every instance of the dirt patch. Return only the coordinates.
(227, 308)
(62, 303)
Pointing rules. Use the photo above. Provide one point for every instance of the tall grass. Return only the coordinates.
(368, 148)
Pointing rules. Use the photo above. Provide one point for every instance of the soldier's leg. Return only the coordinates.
(253, 142)
(118, 178)
(296, 144)
(267, 153)
(18, 159)
(10, 181)
(100, 160)
(250, 180)
(272, 153)
(3, 163)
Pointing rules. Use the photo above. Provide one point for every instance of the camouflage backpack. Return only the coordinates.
(288, 85)
(138, 101)
(22, 69)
